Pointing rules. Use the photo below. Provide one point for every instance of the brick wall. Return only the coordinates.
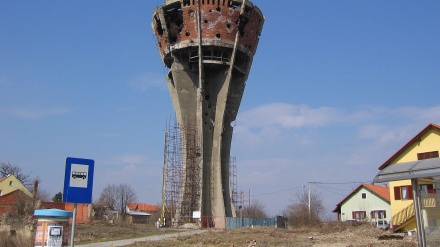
(9, 201)
(83, 211)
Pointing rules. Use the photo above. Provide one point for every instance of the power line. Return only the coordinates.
(274, 192)
(321, 186)
(317, 183)
(361, 182)
(329, 190)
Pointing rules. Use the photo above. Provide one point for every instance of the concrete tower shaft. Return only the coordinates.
(208, 45)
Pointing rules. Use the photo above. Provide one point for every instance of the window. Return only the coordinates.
(427, 188)
(378, 214)
(403, 192)
(427, 155)
(1, 193)
(359, 215)
(364, 195)
(10, 183)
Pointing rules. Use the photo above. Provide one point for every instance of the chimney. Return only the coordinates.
(35, 193)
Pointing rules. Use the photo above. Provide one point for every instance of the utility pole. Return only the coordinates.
(308, 191)
(310, 197)
(249, 205)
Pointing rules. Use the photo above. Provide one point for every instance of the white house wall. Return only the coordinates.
(370, 203)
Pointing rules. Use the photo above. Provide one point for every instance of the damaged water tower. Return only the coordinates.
(208, 46)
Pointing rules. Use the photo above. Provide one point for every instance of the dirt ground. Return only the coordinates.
(103, 232)
(329, 234)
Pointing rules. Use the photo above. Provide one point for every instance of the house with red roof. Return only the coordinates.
(10, 184)
(366, 203)
(143, 207)
(424, 145)
(141, 212)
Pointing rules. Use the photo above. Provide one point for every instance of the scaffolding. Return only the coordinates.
(172, 174)
(181, 191)
(233, 180)
(243, 204)
(181, 188)
(190, 197)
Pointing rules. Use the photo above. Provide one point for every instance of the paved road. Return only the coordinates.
(126, 242)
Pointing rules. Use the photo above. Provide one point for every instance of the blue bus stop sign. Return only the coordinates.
(78, 180)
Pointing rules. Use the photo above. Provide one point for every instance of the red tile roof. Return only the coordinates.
(142, 207)
(379, 190)
(414, 139)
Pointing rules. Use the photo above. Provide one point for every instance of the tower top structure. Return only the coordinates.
(186, 24)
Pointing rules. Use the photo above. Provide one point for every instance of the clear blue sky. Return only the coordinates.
(335, 89)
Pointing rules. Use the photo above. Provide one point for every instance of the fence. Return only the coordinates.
(222, 223)
(234, 223)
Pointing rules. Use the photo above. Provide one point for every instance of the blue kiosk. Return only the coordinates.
(53, 227)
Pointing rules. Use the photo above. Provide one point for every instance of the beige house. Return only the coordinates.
(10, 184)
(13, 195)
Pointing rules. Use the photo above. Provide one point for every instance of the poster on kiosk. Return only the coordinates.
(55, 236)
(51, 235)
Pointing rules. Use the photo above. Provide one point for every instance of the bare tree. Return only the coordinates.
(43, 195)
(38, 193)
(116, 197)
(23, 204)
(125, 194)
(8, 168)
(255, 210)
(108, 197)
(298, 212)
(19, 209)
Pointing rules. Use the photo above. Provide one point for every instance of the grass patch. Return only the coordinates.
(103, 232)
(15, 239)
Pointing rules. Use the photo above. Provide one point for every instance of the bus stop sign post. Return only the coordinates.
(78, 185)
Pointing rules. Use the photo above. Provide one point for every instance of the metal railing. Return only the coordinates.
(430, 200)
(403, 216)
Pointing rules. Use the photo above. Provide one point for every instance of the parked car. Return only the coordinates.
(383, 224)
